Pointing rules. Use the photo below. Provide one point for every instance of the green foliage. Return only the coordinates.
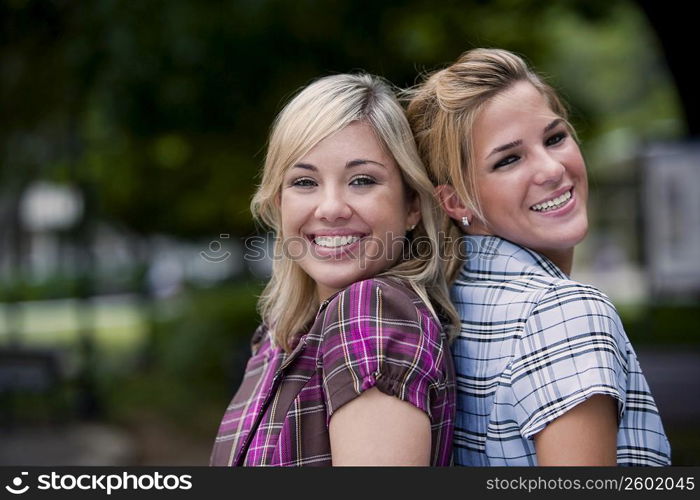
(55, 287)
(662, 324)
(163, 107)
(193, 363)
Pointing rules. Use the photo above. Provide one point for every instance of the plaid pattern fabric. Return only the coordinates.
(375, 333)
(534, 344)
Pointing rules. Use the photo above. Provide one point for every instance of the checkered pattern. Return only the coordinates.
(375, 333)
(534, 344)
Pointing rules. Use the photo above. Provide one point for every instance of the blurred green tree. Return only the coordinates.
(161, 108)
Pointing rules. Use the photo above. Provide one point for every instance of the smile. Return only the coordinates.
(554, 203)
(336, 241)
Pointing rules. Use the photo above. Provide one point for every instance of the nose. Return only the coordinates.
(333, 205)
(549, 169)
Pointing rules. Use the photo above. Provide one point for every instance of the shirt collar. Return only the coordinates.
(492, 257)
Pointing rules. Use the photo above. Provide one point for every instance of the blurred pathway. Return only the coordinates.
(76, 444)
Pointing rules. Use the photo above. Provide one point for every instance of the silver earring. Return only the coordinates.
(465, 221)
(412, 227)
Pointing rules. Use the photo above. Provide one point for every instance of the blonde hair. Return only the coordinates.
(289, 301)
(442, 111)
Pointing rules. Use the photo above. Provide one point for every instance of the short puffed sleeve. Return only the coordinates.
(375, 334)
(572, 347)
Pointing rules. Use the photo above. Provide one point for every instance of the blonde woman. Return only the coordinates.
(545, 372)
(351, 365)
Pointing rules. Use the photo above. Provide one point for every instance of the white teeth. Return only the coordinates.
(552, 204)
(335, 241)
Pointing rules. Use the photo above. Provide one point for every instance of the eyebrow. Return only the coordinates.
(553, 124)
(349, 164)
(511, 145)
(505, 147)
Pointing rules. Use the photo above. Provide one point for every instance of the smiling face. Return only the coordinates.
(345, 210)
(530, 175)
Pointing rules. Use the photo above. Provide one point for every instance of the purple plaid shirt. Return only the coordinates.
(375, 333)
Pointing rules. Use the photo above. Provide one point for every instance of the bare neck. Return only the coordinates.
(563, 259)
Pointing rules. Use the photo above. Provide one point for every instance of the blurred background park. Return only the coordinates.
(131, 137)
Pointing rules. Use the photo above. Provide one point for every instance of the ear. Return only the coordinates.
(451, 203)
(414, 214)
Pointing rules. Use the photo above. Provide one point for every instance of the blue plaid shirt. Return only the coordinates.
(534, 344)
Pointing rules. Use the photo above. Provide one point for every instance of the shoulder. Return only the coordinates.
(388, 286)
(573, 346)
(376, 333)
(575, 314)
(572, 297)
(377, 297)
(379, 309)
